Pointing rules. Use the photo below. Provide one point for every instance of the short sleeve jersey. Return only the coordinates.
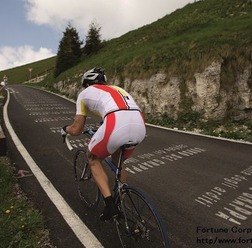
(104, 99)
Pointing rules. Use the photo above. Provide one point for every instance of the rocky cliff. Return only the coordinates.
(206, 92)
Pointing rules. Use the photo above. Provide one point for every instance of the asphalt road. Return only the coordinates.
(201, 186)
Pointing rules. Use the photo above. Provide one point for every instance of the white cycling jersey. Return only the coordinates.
(123, 120)
(104, 99)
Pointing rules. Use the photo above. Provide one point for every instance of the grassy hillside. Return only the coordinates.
(21, 73)
(183, 42)
(180, 43)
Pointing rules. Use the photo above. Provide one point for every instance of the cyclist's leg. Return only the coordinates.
(97, 151)
(123, 174)
(87, 188)
(115, 158)
(101, 178)
(129, 127)
(99, 174)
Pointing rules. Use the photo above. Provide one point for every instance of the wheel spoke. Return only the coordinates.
(139, 225)
(87, 188)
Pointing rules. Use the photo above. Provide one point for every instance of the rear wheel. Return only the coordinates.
(139, 224)
(88, 191)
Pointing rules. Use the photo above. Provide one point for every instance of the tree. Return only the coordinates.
(69, 51)
(93, 39)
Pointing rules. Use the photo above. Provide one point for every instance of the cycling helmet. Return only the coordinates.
(93, 76)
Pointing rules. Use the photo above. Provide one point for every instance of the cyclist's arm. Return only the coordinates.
(76, 128)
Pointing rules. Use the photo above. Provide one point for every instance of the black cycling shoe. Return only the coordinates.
(109, 213)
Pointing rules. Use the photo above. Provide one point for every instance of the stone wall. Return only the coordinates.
(160, 94)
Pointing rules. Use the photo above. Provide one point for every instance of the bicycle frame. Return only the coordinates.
(118, 185)
(108, 161)
(132, 228)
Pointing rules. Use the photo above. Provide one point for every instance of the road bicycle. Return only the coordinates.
(138, 224)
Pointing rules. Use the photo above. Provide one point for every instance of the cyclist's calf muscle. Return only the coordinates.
(99, 174)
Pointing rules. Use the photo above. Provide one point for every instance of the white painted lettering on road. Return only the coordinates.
(240, 208)
(145, 161)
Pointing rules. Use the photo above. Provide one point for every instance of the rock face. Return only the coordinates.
(206, 93)
(156, 96)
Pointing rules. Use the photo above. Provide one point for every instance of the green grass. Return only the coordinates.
(21, 74)
(180, 43)
(192, 121)
(21, 225)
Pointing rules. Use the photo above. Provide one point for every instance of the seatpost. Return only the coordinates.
(119, 166)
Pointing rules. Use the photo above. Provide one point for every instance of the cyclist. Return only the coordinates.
(122, 123)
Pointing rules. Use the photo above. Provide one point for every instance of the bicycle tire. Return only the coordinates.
(88, 191)
(145, 228)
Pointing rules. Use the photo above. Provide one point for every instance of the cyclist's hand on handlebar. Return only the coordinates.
(63, 133)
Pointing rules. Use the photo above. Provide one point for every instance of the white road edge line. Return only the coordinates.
(199, 134)
(81, 231)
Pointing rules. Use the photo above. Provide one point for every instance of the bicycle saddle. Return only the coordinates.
(129, 144)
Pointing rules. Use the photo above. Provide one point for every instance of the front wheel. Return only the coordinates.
(88, 191)
(139, 224)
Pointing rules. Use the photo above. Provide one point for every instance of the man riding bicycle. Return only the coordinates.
(122, 123)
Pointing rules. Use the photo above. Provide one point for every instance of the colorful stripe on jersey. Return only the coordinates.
(100, 149)
(84, 109)
(118, 95)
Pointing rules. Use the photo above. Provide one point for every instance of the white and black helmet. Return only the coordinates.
(93, 76)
